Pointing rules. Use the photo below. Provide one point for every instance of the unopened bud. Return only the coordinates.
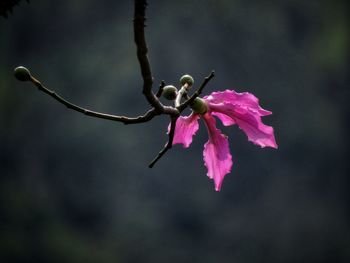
(186, 79)
(22, 74)
(169, 92)
(199, 106)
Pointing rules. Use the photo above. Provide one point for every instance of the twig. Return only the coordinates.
(189, 100)
(140, 40)
(169, 144)
(153, 99)
(160, 89)
(126, 120)
(142, 50)
(141, 46)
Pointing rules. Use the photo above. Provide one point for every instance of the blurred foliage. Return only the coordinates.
(7, 6)
(77, 189)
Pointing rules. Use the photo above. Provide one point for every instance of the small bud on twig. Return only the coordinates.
(186, 79)
(199, 106)
(22, 74)
(169, 92)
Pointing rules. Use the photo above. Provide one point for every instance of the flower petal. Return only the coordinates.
(249, 121)
(217, 157)
(226, 120)
(185, 128)
(245, 99)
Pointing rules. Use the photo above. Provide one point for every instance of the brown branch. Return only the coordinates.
(169, 144)
(126, 120)
(189, 100)
(140, 41)
(142, 50)
(160, 89)
(153, 99)
(141, 46)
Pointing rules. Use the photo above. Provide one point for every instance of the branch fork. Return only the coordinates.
(157, 108)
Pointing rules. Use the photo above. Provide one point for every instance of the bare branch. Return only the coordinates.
(140, 41)
(158, 108)
(142, 50)
(160, 89)
(143, 118)
(169, 144)
(189, 100)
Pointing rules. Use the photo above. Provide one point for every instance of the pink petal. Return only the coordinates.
(249, 121)
(185, 128)
(245, 99)
(217, 157)
(226, 120)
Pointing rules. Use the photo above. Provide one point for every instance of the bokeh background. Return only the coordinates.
(78, 189)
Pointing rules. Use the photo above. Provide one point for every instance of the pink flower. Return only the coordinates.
(231, 108)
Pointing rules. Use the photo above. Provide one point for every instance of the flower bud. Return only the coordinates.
(22, 74)
(169, 92)
(186, 79)
(199, 106)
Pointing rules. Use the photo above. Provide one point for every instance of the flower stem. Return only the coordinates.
(181, 94)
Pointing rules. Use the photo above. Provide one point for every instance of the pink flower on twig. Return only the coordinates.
(231, 108)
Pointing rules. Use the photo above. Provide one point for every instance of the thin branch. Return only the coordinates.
(169, 144)
(189, 100)
(142, 50)
(160, 89)
(158, 108)
(126, 120)
(197, 93)
(140, 41)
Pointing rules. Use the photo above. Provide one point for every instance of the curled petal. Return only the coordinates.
(250, 122)
(217, 157)
(244, 99)
(185, 128)
(226, 120)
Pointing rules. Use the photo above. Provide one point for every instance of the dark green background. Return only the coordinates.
(78, 189)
